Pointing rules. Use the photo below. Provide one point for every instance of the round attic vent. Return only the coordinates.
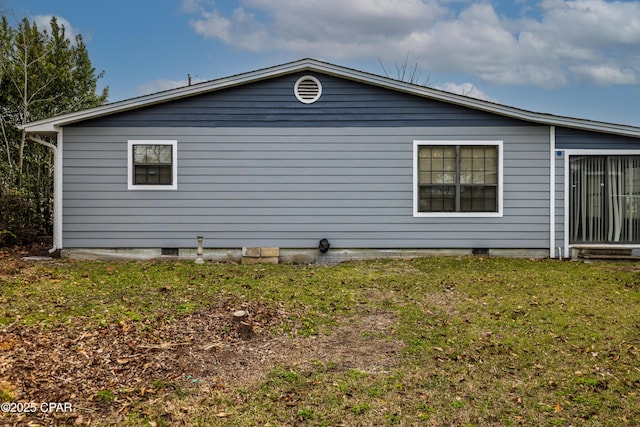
(308, 89)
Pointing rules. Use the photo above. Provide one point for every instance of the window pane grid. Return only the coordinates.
(458, 178)
(478, 198)
(153, 164)
(437, 165)
(153, 175)
(437, 198)
(478, 165)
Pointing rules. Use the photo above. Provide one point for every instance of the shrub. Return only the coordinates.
(21, 221)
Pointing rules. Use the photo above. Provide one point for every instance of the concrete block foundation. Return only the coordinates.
(275, 255)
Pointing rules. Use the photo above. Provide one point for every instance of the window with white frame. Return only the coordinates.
(152, 165)
(457, 178)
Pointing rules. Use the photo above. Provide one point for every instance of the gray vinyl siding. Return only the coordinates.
(578, 139)
(272, 103)
(289, 187)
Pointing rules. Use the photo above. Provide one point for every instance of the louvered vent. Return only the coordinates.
(308, 89)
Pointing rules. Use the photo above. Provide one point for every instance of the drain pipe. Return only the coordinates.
(57, 192)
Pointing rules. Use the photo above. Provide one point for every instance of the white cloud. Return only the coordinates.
(43, 22)
(335, 28)
(567, 41)
(194, 6)
(213, 25)
(603, 74)
(466, 89)
(593, 23)
(240, 30)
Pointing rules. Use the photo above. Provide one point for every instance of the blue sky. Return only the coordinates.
(576, 58)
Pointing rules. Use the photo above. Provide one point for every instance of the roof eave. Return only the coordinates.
(53, 124)
(478, 104)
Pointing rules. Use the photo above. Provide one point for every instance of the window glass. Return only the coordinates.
(458, 178)
(153, 164)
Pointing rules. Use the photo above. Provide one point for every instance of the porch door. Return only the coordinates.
(604, 199)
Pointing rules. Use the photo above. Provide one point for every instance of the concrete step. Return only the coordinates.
(610, 257)
(607, 253)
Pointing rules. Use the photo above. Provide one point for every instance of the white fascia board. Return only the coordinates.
(52, 124)
(478, 104)
(49, 125)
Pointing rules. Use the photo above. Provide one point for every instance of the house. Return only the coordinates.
(282, 157)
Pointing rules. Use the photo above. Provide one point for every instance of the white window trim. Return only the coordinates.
(174, 164)
(417, 214)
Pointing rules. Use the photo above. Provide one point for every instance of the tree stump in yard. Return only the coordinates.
(243, 324)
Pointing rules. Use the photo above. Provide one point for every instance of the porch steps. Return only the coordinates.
(606, 253)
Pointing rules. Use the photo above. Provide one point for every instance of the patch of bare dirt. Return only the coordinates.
(104, 372)
(39, 248)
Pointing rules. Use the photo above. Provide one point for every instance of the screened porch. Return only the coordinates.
(604, 199)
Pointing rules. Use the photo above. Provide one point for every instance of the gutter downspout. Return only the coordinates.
(57, 191)
(552, 193)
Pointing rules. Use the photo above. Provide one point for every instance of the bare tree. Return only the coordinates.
(42, 73)
(407, 73)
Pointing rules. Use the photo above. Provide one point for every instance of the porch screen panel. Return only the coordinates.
(605, 199)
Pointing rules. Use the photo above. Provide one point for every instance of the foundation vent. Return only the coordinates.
(480, 251)
(169, 251)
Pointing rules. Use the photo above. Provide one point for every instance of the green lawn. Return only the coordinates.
(482, 341)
